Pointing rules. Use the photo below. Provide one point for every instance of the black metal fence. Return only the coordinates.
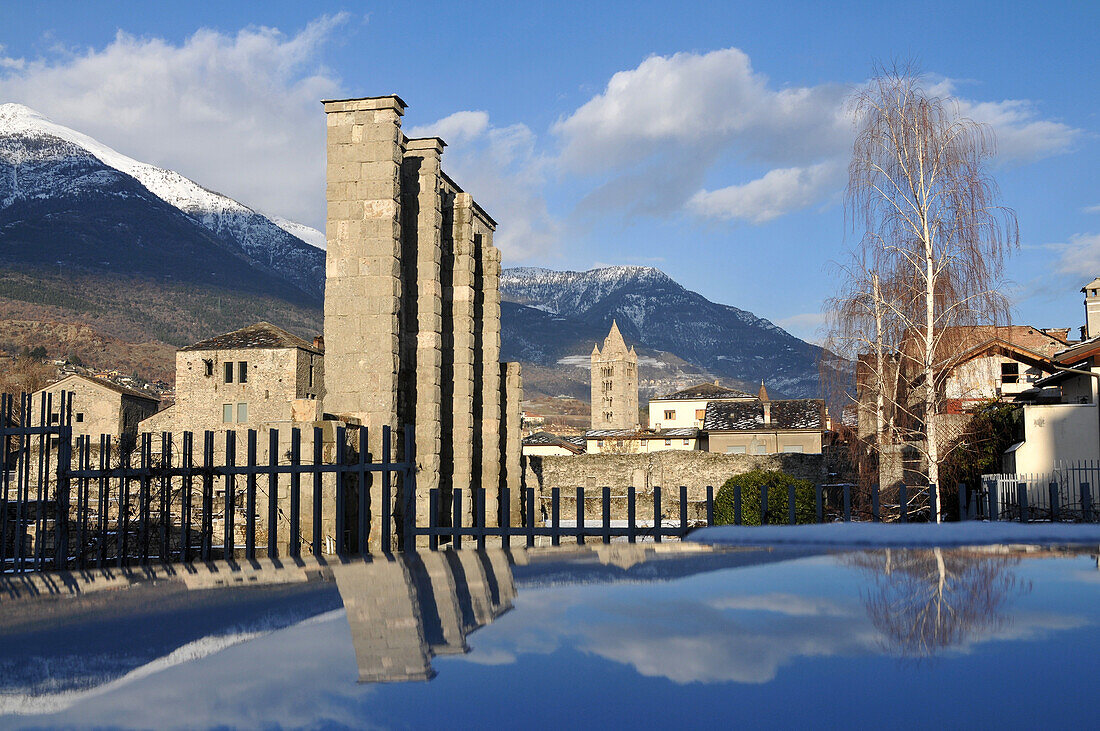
(96, 505)
(1065, 495)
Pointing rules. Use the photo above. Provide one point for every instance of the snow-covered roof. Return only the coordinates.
(686, 432)
(749, 415)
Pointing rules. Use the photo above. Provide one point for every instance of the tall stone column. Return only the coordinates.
(422, 340)
(491, 456)
(363, 268)
(511, 446)
(459, 348)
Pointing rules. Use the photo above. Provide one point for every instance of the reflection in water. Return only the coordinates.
(403, 611)
(924, 601)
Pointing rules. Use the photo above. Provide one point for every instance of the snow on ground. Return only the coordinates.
(893, 534)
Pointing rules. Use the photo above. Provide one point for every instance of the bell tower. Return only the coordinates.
(1092, 308)
(614, 383)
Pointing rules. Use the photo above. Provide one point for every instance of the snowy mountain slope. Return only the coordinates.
(656, 313)
(25, 135)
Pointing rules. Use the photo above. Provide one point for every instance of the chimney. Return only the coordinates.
(319, 342)
(767, 413)
(1092, 308)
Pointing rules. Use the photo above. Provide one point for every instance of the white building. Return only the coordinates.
(688, 408)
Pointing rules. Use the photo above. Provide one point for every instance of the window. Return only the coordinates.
(208, 367)
(55, 418)
(792, 449)
(242, 413)
(759, 449)
(700, 414)
(227, 413)
(736, 449)
(668, 442)
(1010, 372)
(687, 442)
(669, 415)
(311, 371)
(242, 372)
(599, 442)
(80, 417)
(228, 372)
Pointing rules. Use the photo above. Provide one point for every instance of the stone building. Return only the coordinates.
(640, 441)
(99, 406)
(258, 375)
(614, 383)
(412, 306)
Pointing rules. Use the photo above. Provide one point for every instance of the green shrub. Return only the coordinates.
(805, 503)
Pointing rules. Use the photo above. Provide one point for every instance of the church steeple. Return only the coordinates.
(614, 383)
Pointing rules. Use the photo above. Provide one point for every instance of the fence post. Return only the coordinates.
(819, 503)
(341, 518)
(165, 494)
(5, 411)
(230, 494)
(1086, 502)
(847, 489)
(387, 495)
(1055, 512)
(363, 500)
(657, 515)
(505, 520)
(933, 503)
(530, 492)
(631, 514)
(1021, 497)
(433, 518)
(764, 504)
(250, 499)
(962, 501)
(295, 547)
(480, 513)
(790, 504)
(993, 494)
(580, 516)
(903, 502)
(318, 510)
(456, 518)
(875, 514)
(408, 489)
(207, 494)
(737, 505)
(555, 516)
(683, 511)
(607, 515)
(188, 459)
(273, 494)
(64, 465)
(710, 505)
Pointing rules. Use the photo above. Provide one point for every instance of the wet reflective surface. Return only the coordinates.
(674, 636)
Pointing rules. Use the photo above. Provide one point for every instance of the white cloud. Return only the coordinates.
(504, 172)
(1091, 209)
(655, 131)
(236, 113)
(1079, 257)
(779, 192)
(456, 128)
(805, 325)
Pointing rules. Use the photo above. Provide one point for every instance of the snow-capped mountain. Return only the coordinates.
(550, 317)
(42, 161)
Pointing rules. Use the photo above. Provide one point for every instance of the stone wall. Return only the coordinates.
(667, 470)
(412, 303)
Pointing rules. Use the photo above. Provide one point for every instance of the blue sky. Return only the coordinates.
(707, 139)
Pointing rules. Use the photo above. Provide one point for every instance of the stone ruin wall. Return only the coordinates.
(667, 470)
(412, 305)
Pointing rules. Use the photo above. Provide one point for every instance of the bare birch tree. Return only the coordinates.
(919, 188)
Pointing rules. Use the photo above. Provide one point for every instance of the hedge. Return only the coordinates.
(805, 503)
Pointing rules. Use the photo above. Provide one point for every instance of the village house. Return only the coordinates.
(544, 444)
(98, 407)
(258, 375)
(1060, 420)
(688, 408)
(763, 426)
(640, 441)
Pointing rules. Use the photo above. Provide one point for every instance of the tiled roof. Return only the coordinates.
(262, 335)
(687, 431)
(106, 384)
(546, 439)
(749, 415)
(705, 391)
